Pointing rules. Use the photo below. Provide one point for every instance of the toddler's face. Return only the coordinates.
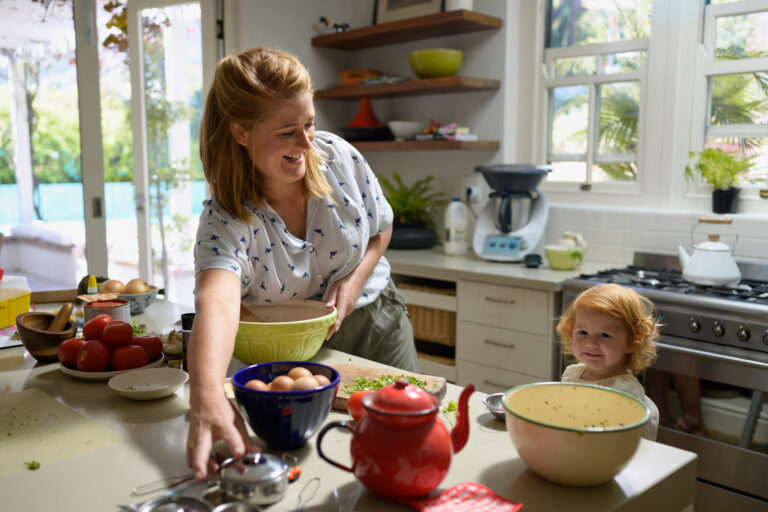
(601, 342)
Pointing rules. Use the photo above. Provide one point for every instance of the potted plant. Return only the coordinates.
(722, 171)
(413, 208)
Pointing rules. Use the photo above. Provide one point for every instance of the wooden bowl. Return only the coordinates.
(42, 344)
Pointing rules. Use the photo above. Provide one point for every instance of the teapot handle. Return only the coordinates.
(323, 431)
(716, 220)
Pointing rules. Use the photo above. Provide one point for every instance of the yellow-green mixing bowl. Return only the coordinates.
(432, 62)
(292, 331)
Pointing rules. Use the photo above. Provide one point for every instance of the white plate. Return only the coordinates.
(148, 383)
(108, 375)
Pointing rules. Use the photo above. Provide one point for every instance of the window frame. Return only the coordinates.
(673, 118)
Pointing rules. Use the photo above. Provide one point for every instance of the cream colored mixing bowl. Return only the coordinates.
(574, 434)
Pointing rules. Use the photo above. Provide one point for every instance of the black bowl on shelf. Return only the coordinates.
(367, 133)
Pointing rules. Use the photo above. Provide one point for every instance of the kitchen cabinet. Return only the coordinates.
(422, 27)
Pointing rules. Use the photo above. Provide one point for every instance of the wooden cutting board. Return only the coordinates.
(36, 427)
(349, 372)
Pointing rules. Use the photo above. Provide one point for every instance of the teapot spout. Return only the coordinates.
(460, 432)
(682, 256)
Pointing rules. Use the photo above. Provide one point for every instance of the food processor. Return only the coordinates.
(513, 221)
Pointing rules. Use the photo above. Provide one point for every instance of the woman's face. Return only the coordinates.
(601, 342)
(278, 145)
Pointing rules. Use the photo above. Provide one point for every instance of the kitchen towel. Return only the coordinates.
(36, 429)
(465, 497)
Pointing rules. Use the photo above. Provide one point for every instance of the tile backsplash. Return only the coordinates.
(613, 235)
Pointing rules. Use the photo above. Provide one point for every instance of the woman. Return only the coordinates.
(294, 214)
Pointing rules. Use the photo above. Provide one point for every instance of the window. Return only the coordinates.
(731, 102)
(595, 77)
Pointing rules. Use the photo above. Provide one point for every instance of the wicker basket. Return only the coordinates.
(429, 324)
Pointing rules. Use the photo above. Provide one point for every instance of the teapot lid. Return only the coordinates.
(402, 397)
(713, 244)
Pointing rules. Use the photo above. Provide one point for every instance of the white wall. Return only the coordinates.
(509, 55)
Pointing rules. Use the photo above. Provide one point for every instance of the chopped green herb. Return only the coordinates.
(138, 329)
(450, 412)
(32, 465)
(363, 383)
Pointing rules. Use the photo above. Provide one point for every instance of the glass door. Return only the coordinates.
(165, 42)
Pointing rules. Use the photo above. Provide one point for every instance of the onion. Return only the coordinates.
(112, 286)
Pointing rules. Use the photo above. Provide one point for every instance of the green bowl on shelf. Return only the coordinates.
(434, 62)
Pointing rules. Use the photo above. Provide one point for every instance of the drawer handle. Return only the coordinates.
(493, 383)
(500, 301)
(499, 343)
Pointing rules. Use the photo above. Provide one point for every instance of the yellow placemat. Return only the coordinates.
(34, 427)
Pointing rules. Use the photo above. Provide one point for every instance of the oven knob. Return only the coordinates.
(718, 329)
(742, 333)
(694, 325)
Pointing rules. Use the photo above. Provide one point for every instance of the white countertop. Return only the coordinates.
(153, 436)
(435, 264)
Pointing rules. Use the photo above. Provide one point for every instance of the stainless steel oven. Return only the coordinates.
(715, 338)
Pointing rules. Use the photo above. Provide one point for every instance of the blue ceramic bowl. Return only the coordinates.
(139, 301)
(285, 420)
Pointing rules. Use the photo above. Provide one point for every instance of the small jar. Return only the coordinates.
(118, 309)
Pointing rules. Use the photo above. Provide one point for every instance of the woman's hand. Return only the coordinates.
(214, 418)
(343, 294)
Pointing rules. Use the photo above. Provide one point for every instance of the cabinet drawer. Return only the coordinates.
(501, 348)
(504, 306)
(490, 380)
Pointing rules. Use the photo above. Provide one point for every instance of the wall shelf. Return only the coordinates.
(439, 85)
(411, 29)
(424, 145)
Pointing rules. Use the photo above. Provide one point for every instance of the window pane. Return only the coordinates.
(739, 99)
(568, 171)
(741, 37)
(576, 66)
(570, 115)
(619, 171)
(622, 62)
(619, 111)
(757, 148)
(597, 21)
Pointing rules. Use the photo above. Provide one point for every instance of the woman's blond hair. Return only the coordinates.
(244, 87)
(636, 311)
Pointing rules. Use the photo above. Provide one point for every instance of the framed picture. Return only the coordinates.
(385, 11)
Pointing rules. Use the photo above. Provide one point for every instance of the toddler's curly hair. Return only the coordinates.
(636, 311)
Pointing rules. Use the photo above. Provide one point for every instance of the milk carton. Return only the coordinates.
(14, 299)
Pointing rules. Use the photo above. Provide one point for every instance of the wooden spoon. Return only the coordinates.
(61, 319)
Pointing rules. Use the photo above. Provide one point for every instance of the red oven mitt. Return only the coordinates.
(465, 497)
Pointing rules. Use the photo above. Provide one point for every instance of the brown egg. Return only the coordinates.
(281, 383)
(257, 384)
(299, 371)
(305, 382)
(322, 380)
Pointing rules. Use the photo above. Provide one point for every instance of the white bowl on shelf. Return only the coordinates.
(406, 130)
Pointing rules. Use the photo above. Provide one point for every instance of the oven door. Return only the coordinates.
(730, 386)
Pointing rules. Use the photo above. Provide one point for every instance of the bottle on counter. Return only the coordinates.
(456, 221)
(187, 319)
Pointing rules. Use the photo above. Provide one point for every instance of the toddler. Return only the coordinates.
(610, 330)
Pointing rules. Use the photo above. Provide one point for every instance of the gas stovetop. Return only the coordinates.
(736, 316)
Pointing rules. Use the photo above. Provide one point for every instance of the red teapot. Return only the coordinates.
(399, 448)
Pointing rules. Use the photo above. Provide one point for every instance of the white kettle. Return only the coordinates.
(711, 263)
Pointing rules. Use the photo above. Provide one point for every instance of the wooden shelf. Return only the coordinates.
(440, 85)
(424, 145)
(411, 29)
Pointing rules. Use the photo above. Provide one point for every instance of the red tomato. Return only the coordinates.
(117, 334)
(93, 328)
(129, 357)
(152, 344)
(68, 351)
(355, 404)
(94, 356)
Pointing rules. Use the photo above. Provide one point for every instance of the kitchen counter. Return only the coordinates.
(435, 264)
(151, 439)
